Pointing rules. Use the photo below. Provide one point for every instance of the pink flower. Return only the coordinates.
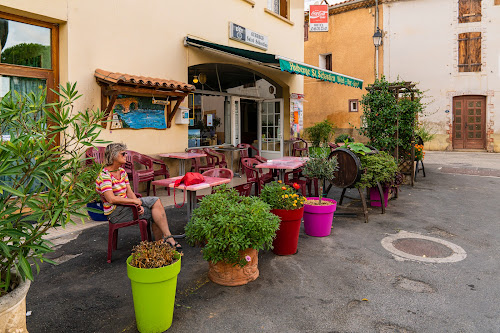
(248, 258)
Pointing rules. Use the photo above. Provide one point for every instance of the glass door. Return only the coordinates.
(271, 128)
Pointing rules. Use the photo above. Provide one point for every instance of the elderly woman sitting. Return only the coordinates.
(113, 186)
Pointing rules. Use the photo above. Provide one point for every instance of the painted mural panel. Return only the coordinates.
(137, 113)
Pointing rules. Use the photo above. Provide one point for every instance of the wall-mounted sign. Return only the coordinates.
(247, 36)
(318, 18)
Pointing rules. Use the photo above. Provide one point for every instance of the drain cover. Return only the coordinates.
(412, 246)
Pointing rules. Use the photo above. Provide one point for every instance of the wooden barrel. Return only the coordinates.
(349, 168)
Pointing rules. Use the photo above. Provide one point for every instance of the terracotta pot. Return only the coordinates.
(228, 275)
(13, 309)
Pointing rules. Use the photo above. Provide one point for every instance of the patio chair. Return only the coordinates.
(93, 155)
(244, 189)
(253, 174)
(245, 153)
(219, 159)
(139, 175)
(300, 146)
(333, 146)
(113, 229)
(161, 171)
(218, 172)
(197, 165)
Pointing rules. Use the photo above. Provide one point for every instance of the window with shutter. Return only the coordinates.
(469, 11)
(279, 7)
(306, 31)
(469, 52)
(328, 62)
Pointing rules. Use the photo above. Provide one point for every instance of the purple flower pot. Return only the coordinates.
(318, 219)
(374, 195)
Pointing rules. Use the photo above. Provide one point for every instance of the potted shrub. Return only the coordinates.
(232, 229)
(381, 169)
(320, 134)
(152, 269)
(289, 206)
(38, 181)
(318, 212)
(343, 139)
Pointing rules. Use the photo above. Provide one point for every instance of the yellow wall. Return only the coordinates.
(350, 41)
(146, 38)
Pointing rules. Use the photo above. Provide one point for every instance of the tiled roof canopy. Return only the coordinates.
(141, 81)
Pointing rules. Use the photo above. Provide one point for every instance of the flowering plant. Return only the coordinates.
(419, 152)
(281, 196)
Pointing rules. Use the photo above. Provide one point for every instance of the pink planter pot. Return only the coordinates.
(374, 195)
(318, 219)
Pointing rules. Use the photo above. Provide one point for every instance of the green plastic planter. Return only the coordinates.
(153, 290)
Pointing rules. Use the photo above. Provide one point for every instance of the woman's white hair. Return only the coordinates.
(112, 150)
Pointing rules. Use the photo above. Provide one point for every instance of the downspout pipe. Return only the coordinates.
(376, 47)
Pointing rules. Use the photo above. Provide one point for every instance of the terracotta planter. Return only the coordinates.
(13, 309)
(229, 275)
(287, 236)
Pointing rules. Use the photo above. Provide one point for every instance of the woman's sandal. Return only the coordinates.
(176, 245)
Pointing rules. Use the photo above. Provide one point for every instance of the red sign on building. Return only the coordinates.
(318, 18)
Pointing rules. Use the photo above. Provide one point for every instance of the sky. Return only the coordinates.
(312, 2)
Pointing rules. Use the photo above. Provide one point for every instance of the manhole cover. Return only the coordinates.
(412, 246)
(422, 247)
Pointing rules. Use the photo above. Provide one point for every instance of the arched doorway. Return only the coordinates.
(469, 122)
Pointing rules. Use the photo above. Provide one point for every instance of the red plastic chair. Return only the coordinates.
(300, 146)
(161, 171)
(113, 229)
(218, 172)
(196, 165)
(143, 175)
(93, 155)
(333, 146)
(244, 189)
(218, 158)
(254, 175)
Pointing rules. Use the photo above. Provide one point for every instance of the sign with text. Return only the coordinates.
(318, 18)
(247, 36)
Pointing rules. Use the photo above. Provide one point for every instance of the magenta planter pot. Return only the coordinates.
(374, 195)
(318, 219)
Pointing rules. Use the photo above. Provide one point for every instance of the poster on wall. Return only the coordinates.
(138, 113)
(296, 114)
(318, 18)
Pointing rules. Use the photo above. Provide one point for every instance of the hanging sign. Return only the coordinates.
(247, 36)
(318, 18)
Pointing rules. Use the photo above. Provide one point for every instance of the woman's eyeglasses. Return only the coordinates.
(124, 154)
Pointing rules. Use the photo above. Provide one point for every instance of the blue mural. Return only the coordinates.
(137, 112)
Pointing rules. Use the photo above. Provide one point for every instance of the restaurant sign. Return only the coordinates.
(247, 36)
(319, 74)
(318, 18)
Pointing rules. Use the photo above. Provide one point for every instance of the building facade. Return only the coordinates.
(455, 58)
(347, 47)
(228, 50)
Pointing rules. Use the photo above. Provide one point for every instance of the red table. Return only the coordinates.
(182, 157)
(191, 190)
(283, 164)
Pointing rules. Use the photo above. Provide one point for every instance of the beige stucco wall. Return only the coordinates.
(147, 39)
(350, 41)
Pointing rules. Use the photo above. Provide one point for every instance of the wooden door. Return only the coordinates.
(469, 122)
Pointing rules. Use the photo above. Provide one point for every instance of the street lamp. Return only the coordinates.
(377, 37)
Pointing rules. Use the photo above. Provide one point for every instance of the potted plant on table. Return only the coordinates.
(320, 134)
(38, 181)
(232, 229)
(318, 212)
(152, 269)
(289, 206)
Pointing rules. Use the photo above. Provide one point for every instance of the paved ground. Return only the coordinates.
(346, 282)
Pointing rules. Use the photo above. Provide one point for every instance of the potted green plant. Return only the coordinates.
(38, 181)
(381, 169)
(289, 206)
(320, 134)
(343, 139)
(318, 212)
(152, 269)
(232, 230)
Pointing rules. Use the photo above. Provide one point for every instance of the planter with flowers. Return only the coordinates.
(232, 229)
(153, 268)
(289, 206)
(318, 212)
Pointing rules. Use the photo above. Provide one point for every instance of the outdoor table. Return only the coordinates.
(283, 164)
(191, 190)
(232, 150)
(182, 157)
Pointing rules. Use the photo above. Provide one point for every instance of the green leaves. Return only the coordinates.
(379, 167)
(320, 133)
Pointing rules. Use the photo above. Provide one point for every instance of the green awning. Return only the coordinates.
(278, 62)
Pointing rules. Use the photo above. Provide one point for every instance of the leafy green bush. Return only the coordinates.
(40, 179)
(343, 138)
(379, 167)
(321, 167)
(358, 148)
(228, 223)
(320, 133)
(282, 196)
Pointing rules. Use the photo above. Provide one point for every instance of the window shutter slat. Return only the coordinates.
(462, 52)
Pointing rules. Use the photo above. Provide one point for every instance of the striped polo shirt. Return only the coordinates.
(107, 182)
